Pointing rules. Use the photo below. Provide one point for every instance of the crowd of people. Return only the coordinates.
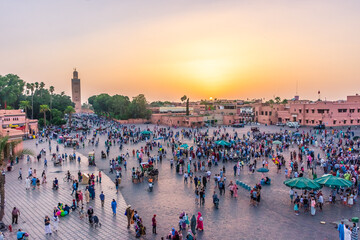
(311, 153)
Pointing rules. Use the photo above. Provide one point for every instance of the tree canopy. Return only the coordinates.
(15, 93)
(120, 107)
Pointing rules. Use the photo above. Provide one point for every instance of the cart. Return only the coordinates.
(255, 129)
(91, 159)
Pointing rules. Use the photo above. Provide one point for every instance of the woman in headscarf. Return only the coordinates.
(313, 204)
(234, 188)
(200, 224)
(87, 195)
(186, 218)
(193, 224)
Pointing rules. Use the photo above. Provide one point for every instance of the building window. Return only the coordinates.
(334, 122)
(229, 121)
(307, 121)
(359, 110)
(312, 121)
(344, 121)
(312, 111)
(299, 110)
(270, 113)
(351, 121)
(300, 121)
(358, 121)
(265, 113)
(342, 110)
(256, 113)
(294, 109)
(178, 122)
(351, 110)
(307, 110)
(262, 112)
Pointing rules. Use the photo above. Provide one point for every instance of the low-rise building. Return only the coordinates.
(15, 123)
(309, 113)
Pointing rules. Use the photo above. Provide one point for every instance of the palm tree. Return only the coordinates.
(42, 85)
(36, 85)
(183, 98)
(51, 90)
(30, 86)
(7, 152)
(25, 105)
(43, 109)
(69, 110)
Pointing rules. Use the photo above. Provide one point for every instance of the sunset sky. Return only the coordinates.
(164, 49)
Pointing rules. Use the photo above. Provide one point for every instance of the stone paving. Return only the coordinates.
(235, 219)
(35, 204)
(274, 218)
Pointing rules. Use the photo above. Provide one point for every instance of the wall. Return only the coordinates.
(132, 121)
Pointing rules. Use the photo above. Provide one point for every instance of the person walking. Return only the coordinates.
(200, 222)
(154, 224)
(291, 192)
(193, 224)
(74, 187)
(102, 198)
(90, 213)
(129, 214)
(81, 198)
(20, 174)
(56, 223)
(87, 196)
(354, 232)
(100, 175)
(113, 206)
(27, 183)
(14, 215)
(47, 226)
(341, 230)
(313, 204)
(117, 185)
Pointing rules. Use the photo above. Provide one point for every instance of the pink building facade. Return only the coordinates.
(177, 120)
(15, 123)
(329, 113)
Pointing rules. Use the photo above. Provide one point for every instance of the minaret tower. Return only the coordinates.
(76, 93)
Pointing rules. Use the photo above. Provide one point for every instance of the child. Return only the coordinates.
(81, 213)
(330, 199)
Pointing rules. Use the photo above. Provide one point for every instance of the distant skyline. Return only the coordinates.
(229, 49)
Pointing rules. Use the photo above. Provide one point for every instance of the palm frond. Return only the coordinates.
(24, 152)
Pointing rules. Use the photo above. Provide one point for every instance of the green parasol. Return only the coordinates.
(185, 146)
(223, 143)
(302, 183)
(262, 170)
(332, 181)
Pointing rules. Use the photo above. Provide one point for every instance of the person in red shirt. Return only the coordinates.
(154, 224)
